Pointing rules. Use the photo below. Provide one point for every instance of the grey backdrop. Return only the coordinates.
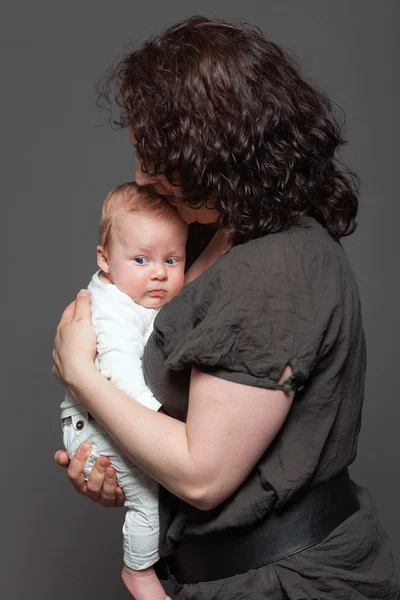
(59, 161)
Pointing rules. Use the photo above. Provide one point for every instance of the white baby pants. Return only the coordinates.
(141, 527)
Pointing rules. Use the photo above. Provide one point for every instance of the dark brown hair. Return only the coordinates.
(224, 113)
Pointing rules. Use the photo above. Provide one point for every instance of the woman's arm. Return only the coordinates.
(202, 461)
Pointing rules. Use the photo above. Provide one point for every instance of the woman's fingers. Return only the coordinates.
(102, 486)
(112, 495)
(78, 308)
(61, 458)
(111, 489)
(82, 305)
(75, 340)
(96, 479)
(68, 314)
(76, 467)
(120, 499)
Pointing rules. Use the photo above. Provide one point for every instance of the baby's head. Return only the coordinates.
(142, 245)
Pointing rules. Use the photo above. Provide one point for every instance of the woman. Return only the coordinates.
(259, 361)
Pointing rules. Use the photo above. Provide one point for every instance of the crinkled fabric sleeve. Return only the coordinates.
(255, 311)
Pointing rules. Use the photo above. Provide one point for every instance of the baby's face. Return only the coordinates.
(147, 257)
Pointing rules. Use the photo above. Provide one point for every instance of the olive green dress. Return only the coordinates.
(285, 298)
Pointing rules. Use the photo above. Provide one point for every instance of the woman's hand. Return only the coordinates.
(102, 486)
(74, 349)
(75, 340)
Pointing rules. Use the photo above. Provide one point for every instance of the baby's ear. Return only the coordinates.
(102, 259)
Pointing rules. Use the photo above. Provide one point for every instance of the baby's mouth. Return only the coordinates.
(157, 293)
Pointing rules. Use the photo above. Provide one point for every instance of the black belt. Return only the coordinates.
(302, 523)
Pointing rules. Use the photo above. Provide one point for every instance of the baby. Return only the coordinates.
(141, 259)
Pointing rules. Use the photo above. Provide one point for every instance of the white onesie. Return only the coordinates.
(122, 328)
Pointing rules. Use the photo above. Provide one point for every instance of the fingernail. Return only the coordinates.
(83, 293)
(84, 448)
(103, 461)
(110, 473)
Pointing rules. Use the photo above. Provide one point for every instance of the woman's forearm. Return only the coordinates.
(157, 443)
(203, 461)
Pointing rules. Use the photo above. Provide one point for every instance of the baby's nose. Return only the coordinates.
(160, 272)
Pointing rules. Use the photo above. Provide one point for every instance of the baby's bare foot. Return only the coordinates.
(143, 585)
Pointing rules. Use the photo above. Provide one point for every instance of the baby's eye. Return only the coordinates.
(140, 260)
(171, 261)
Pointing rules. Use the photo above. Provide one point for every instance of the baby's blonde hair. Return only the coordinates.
(132, 198)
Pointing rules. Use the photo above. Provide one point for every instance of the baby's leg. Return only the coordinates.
(141, 535)
(143, 585)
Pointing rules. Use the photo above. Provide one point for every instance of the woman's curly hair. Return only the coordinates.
(224, 113)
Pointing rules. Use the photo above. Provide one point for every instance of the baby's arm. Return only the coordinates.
(120, 345)
(122, 365)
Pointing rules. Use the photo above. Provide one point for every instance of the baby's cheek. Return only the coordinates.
(178, 284)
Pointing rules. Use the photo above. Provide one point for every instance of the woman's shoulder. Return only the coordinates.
(305, 233)
(271, 292)
(302, 257)
(304, 251)
(262, 274)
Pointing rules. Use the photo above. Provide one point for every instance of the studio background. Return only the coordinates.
(59, 159)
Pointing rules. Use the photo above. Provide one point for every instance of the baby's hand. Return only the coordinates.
(102, 486)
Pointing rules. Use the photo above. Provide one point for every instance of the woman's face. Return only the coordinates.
(173, 194)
